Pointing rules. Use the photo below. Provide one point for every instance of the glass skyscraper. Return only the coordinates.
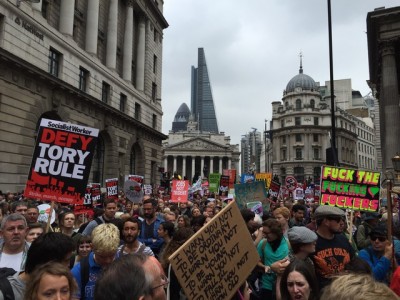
(202, 103)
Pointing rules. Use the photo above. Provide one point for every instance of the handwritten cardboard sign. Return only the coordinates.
(350, 189)
(217, 259)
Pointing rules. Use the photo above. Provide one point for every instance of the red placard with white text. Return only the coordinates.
(61, 162)
(180, 191)
(112, 188)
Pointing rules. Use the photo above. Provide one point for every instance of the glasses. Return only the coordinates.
(380, 238)
(165, 281)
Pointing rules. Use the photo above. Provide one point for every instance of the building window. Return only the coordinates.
(315, 138)
(316, 121)
(54, 62)
(282, 123)
(137, 111)
(284, 155)
(98, 160)
(284, 140)
(312, 103)
(122, 102)
(154, 91)
(132, 162)
(297, 121)
(299, 173)
(317, 174)
(83, 79)
(154, 121)
(105, 94)
(298, 137)
(316, 153)
(45, 8)
(299, 154)
(154, 64)
(155, 35)
(298, 104)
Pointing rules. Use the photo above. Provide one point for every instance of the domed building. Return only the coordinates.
(301, 126)
(181, 118)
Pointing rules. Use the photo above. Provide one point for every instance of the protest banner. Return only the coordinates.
(291, 183)
(95, 193)
(136, 178)
(298, 194)
(44, 212)
(274, 188)
(266, 177)
(232, 176)
(214, 262)
(61, 162)
(350, 188)
(250, 192)
(247, 178)
(112, 188)
(223, 186)
(148, 189)
(180, 191)
(256, 207)
(213, 179)
(133, 191)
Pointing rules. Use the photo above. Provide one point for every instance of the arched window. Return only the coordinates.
(312, 103)
(98, 161)
(299, 174)
(298, 104)
(132, 161)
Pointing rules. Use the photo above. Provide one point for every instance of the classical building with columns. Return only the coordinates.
(383, 32)
(192, 152)
(90, 62)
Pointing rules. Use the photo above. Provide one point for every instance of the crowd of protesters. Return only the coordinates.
(121, 250)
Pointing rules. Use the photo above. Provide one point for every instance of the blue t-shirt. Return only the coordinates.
(94, 272)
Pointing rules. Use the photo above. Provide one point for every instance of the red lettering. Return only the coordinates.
(48, 136)
(85, 142)
(72, 138)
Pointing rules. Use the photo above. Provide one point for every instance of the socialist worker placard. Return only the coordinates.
(61, 162)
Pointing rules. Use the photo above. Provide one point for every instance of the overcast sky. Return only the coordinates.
(252, 51)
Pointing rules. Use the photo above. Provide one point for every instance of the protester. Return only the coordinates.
(166, 231)
(197, 222)
(105, 242)
(50, 281)
(34, 231)
(13, 247)
(379, 254)
(183, 221)
(298, 282)
(332, 251)
(149, 235)
(19, 207)
(282, 215)
(243, 293)
(83, 248)
(66, 224)
(130, 232)
(196, 212)
(125, 279)
(49, 247)
(272, 249)
(110, 208)
(371, 220)
(299, 212)
(302, 241)
(184, 210)
(357, 287)
(169, 215)
(32, 214)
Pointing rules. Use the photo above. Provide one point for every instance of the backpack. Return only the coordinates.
(5, 286)
(84, 274)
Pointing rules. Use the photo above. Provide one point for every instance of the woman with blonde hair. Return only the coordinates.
(52, 280)
(357, 287)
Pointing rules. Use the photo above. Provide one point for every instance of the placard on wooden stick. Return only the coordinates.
(217, 259)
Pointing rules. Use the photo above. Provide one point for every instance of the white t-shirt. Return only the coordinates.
(11, 261)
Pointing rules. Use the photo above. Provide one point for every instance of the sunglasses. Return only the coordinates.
(380, 238)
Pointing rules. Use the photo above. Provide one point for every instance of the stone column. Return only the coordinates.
(230, 163)
(92, 26)
(174, 169)
(166, 164)
(211, 164)
(112, 31)
(389, 104)
(141, 54)
(183, 166)
(67, 10)
(193, 165)
(202, 166)
(128, 43)
(37, 6)
(220, 165)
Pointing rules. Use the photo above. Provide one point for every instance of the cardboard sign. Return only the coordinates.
(213, 179)
(180, 191)
(61, 162)
(250, 192)
(112, 188)
(133, 191)
(350, 189)
(217, 259)
(266, 177)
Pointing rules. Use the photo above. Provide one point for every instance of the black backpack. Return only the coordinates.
(5, 286)
(84, 274)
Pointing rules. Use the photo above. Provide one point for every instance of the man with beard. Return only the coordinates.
(130, 232)
(332, 251)
(149, 233)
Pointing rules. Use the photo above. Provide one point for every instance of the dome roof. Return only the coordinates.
(301, 80)
(183, 113)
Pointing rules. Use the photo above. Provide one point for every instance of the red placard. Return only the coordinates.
(291, 183)
(112, 188)
(180, 191)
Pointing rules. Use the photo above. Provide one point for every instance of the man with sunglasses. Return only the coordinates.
(379, 254)
(332, 250)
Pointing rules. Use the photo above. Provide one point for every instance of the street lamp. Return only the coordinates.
(396, 163)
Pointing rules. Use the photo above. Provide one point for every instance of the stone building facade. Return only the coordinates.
(89, 62)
